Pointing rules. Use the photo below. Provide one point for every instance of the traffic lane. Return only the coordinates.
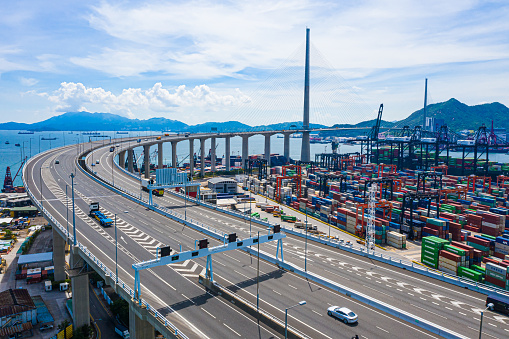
(152, 299)
(134, 244)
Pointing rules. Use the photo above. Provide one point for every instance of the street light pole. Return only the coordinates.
(258, 280)
(116, 251)
(286, 316)
(67, 213)
(73, 210)
(490, 307)
(306, 244)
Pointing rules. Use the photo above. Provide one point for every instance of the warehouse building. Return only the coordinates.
(223, 185)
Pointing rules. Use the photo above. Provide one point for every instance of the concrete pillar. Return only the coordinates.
(121, 159)
(287, 146)
(202, 157)
(80, 300)
(146, 160)
(305, 153)
(58, 255)
(267, 149)
(191, 156)
(160, 155)
(227, 153)
(245, 150)
(213, 154)
(130, 160)
(74, 256)
(139, 327)
(174, 154)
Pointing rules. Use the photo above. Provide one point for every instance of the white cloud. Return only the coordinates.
(28, 81)
(77, 97)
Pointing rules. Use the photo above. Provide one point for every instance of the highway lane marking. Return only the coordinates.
(450, 309)
(464, 314)
(245, 276)
(382, 329)
(231, 329)
(292, 287)
(422, 298)
(204, 310)
(276, 292)
(321, 315)
(410, 294)
(232, 257)
(435, 303)
(336, 274)
(377, 291)
(493, 325)
(188, 298)
(429, 311)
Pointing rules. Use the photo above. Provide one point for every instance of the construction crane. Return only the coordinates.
(492, 138)
(9, 180)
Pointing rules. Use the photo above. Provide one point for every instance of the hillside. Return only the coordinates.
(459, 116)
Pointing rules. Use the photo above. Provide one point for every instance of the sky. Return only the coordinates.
(198, 61)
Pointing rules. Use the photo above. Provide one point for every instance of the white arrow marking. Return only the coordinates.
(457, 303)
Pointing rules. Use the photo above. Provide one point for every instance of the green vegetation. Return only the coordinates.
(120, 309)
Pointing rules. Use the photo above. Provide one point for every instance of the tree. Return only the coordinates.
(63, 325)
(120, 309)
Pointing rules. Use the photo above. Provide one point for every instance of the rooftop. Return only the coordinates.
(15, 301)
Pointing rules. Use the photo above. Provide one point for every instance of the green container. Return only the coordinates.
(455, 250)
(430, 263)
(471, 274)
(478, 269)
(496, 275)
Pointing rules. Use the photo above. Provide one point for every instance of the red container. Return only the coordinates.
(495, 282)
(493, 261)
(431, 231)
(478, 241)
(474, 219)
(450, 256)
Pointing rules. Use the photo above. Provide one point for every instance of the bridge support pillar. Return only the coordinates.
(267, 149)
(146, 160)
(202, 157)
(74, 257)
(160, 155)
(287, 146)
(227, 153)
(58, 255)
(191, 156)
(139, 327)
(121, 159)
(174, 154)
(213, 154)
(245, 151)
(80, 298)
(130, 160)
(305, 154)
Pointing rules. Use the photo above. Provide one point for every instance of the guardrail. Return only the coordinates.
(96, 261)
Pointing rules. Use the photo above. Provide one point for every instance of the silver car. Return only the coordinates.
(342, 313)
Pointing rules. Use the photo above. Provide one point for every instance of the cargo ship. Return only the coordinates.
(52, 138)
(26, 132)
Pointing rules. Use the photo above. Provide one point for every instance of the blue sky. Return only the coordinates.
(198, 61)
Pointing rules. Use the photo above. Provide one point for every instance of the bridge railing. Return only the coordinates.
(107, 272)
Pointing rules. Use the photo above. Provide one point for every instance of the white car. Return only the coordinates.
(342, 313)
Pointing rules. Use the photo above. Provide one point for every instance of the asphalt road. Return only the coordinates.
(442, 303)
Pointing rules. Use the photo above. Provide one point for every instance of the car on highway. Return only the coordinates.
(57, 162)
(146, 139)
(97, 162)
(342, 313)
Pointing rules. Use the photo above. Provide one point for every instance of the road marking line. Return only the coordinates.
(450, 309)
(276, 292)
(204, 310)
(493, 325)
(321, 315)
(382, 329)
(188, 298)
(462, 313)
(292, 287)
(231, 329)
(428, 311)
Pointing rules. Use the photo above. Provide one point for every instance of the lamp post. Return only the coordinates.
(73, 211)
(116, 251)
(67, 213)
(286, 316)
(490, 307)
(258, 280)
(306, 244)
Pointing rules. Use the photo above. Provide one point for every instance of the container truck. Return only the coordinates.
(121, 330)
(156, 191)
(95, 213)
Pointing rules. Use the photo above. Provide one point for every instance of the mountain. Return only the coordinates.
(456, 115)
(459, 116)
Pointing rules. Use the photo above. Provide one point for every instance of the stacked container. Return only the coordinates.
(448, 262)
(474, 275)
(430, 250)
(496, 275)
(396, 239)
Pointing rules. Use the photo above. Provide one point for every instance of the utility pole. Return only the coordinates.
(425, 104)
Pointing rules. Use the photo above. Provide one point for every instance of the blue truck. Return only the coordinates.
(95, 213)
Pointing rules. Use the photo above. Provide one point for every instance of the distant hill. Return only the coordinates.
(459, 116)
(456, 115)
